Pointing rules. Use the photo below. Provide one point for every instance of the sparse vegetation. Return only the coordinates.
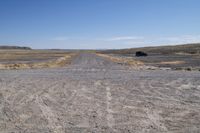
(179, 57)
(23, 59)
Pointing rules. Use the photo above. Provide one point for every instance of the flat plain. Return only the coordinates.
(94, 94)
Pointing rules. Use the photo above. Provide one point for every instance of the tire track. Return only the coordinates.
(110, 119)
(48, 113)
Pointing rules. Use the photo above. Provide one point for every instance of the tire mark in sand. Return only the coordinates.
(110, 119)
(49, 115)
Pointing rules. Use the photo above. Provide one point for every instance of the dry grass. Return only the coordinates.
(12, 55)
(128, 61)
(14, 59)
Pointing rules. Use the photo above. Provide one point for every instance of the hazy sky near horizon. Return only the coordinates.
(89, 24)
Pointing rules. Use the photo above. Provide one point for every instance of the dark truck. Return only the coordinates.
(140, 53)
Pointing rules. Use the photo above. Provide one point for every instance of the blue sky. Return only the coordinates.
(89, 24)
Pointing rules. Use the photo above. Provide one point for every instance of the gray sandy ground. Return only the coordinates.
(96, 95)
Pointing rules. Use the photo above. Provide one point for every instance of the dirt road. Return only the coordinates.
(96, 95)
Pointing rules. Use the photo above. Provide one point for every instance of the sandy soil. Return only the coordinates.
(94, 94)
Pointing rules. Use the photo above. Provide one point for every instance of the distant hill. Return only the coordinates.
(185, 49)
(15, 47)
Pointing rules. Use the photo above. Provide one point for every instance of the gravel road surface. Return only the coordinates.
(94, 94)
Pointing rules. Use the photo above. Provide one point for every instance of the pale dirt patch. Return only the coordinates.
(172, 62)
